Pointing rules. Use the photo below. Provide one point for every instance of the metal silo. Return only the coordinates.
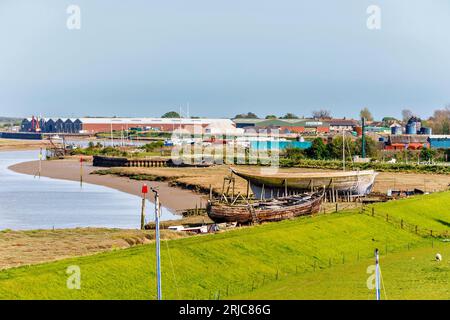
(411, 128)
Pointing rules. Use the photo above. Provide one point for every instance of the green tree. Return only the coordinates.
(318, 150)
(371, 147)
(427, 154)
(366, 114)
(289, 116)
(171, 114)
(271, 116)
(248, 115)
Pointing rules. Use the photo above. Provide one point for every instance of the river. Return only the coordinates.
(28, 202)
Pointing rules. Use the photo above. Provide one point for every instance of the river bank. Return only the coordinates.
(29, 247)
(174, 199)
(14, 145)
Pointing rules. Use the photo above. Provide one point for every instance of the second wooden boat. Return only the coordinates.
(265, 211)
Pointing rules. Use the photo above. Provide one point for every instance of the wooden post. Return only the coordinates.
(143, 212)
(373, 212)
(144, 191)
(262, 192)
(248, 188)
(40, 162)
(233, 183)
(210, 192)
(81, 171)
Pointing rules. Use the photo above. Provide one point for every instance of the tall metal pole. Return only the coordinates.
(377, 276)
(343, 149)
(158, 249)
(363, 138)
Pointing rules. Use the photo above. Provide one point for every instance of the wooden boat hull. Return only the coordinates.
(353, 182)
(265, 211)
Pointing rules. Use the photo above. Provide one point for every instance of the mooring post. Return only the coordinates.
(81, 171)
(144, 192)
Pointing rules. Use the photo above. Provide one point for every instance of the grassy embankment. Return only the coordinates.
(317, 254)
(378, 166)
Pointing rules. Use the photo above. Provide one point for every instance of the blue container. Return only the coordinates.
(426, 131)
(411, 128)
(281, 145)
(396, 130)
(440, 142)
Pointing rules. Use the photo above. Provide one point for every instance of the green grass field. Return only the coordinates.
(430, 211)
(411, 274)
(273, 260)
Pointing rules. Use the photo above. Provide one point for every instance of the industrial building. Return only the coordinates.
(439, 141)
(285, 126)
(95, 125)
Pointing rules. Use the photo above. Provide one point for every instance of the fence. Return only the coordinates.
(401, 223)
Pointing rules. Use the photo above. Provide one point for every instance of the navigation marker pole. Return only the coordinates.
(40, 162)
(81, 172)
(377, 276)
(144, 193)
(158, 249)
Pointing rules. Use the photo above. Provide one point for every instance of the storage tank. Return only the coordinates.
(396, 130)
(426, 131)
(411, 128)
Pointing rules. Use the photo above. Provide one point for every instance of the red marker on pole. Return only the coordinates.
(144, 193)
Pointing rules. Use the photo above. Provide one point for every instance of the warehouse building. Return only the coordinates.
(95, 125)
(285, 126)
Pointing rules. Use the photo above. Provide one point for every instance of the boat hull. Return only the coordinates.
(267, 211)
(268, 186)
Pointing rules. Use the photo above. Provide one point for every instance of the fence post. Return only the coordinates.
(387, 217)
(373, 212)
(336, 207)
(401, 223)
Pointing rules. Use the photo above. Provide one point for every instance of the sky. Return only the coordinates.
(220, 58)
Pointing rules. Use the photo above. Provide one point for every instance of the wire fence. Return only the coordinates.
(402, 224)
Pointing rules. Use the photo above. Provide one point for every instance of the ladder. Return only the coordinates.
(253, 213)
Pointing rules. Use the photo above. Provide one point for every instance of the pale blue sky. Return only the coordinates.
(143, 58)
